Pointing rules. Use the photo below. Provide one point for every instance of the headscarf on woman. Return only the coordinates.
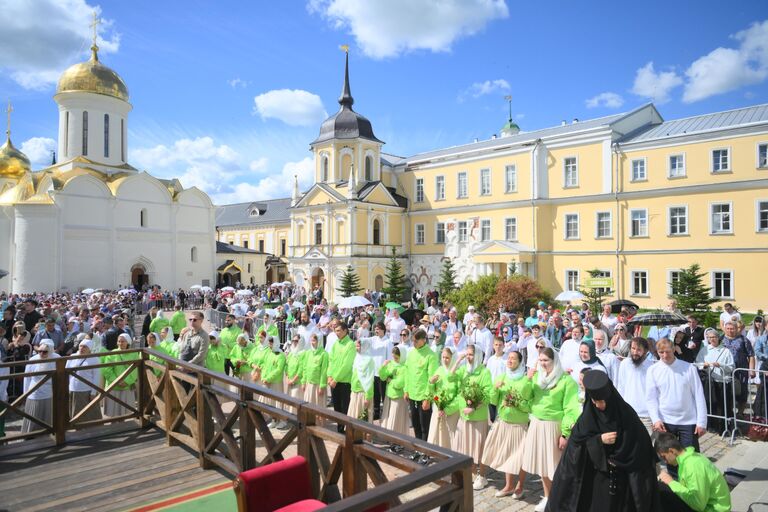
(518, 373)
(363, 364)
(450, 363)
(549, 381)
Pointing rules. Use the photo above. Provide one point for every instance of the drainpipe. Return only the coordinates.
(617, 152)
(534, 196)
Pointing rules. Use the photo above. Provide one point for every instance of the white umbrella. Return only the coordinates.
(271, 312)
(297, 304)
(227, 289)
(355, 301)
(244, 293)
(569, 295)
(97, 294)
(195, 287)
(88, 290)
(286, 283)
(127, 291)
(206, 289)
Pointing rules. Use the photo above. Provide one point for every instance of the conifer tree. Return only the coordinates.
(447, 278)
(691, 294)
(350, 283)
(394, 280)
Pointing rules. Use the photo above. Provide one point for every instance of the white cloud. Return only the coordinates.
(291, 106)
(605, 99)
(38, 150)
(271, 186)
(41, 38)
(653, 85)
(388, 28)
(478, 89)
(727, 69)
(237, 82)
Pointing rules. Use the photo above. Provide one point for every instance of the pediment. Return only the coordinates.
(315, 254)
(319, 194)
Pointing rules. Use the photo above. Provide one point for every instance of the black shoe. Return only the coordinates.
(424, 460)
(416, 456)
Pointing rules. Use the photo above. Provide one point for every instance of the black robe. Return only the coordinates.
(588, 468)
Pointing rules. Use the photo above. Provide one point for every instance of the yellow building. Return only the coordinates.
(629, 194)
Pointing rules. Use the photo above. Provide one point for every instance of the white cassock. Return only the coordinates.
(569, 355)
(611, 363)
(631, 384)
(533, 355)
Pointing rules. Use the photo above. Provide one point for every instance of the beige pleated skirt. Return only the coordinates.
(77, 402)
(41, 409)
(395, 417)
(274, 386)
(469, 438)
(312, 395)
(112, 408)
(441, 429)
(541, 452)
(504, 447)
(293, 391)
(357, 404)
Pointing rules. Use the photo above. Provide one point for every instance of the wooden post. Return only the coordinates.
(463, 479)
(354, 476)
(60, 402)
(307, 419)
(204, 420)
(142, 390)
(247, 430)
(171, 405)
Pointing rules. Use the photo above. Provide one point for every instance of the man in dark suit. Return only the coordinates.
(694, 337)
(116, 329)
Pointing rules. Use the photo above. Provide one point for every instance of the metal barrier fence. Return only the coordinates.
(250, 325)
(718, 383)
(755, 417)
(195, 302)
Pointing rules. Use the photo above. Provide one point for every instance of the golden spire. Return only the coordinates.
(344, 48)
(94, 25)
(8, 111)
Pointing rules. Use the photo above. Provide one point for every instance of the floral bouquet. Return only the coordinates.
(363, 415)
(474, 394)
(443, 399)
(513, 399)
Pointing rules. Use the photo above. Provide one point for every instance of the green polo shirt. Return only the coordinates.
(701, 485)
(341, 359)
(420, 365)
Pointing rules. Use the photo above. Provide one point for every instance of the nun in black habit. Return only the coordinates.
(609, 464)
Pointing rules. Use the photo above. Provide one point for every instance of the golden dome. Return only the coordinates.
(93, 76)
(13, 163)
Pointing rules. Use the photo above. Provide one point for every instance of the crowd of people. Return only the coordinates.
(572, 396)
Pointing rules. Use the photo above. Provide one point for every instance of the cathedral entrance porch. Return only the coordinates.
(139, 276)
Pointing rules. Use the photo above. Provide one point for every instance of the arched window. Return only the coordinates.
(318, 233)
(378, 283)
(85, 133)
(376, 232)
(193, 255)
(143, 218)
(368, 168)
(324, 169)
(106, 135)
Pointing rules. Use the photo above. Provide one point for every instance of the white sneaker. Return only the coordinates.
(480, 483)
(272, 424)
(541, 506)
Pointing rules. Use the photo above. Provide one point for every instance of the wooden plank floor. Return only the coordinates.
(116, 471)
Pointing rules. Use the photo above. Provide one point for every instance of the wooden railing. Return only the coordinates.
(224, 421)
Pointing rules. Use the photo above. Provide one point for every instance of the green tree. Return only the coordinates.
(447, 278)
(475, 293)
(691, 294)
(595, 297)
(350, 283)
(394, 280)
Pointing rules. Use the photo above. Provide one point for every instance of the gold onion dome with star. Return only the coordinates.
(94, 77)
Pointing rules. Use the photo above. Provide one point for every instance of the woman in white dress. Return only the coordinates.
(39, 402)
(79, 392)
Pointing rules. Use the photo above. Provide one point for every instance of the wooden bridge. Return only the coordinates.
(191, 427)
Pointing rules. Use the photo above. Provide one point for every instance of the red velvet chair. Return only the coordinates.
(282, 486)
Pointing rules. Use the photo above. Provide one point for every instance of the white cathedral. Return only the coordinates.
(92, 220)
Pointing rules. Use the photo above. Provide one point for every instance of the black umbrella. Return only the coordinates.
(616, 305)
(658, 318)
(412, 316)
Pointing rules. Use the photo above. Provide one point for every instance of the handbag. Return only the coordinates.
(758, 432)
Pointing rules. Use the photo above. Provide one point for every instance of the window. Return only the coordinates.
(318, 233)
(368, 168)
(638, 170)
(419, 233)
(485, 182)
(324, 169)
(66, 133)
(85, 133)
(439, 188)
(676, 166)
(261, 245)
(143, 218)
(762, 156)
(245, 243)
(603, 228)
(721, 161)
(510, 179)
(721, 219)
(462, 185)
(678, 220)
(639, 225)
(282, 246)
(603, 273)
(674, 277)
(571, 280)
(639, 279)
(762, 216)
(485, 230)
(376, 232)
(106, 135)
(193, 255)
(722, 284)
(570, 172)
(440, 233)
(231, 241)
(122, 140)
(249, 268)
(571, 226)
(510, 229)
(462, 227)
(419, 190)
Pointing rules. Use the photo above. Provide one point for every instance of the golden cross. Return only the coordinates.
(344, 48)
(8, 110)
(94, 25)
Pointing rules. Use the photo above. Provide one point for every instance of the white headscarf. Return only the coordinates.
(453, 357)
(363, 365)
(549, 381)
(477, 361)
(275, 343)
(46, 366)
(519, 373)
(87, 343)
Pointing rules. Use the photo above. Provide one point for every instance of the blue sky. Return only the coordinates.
(228, 95)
